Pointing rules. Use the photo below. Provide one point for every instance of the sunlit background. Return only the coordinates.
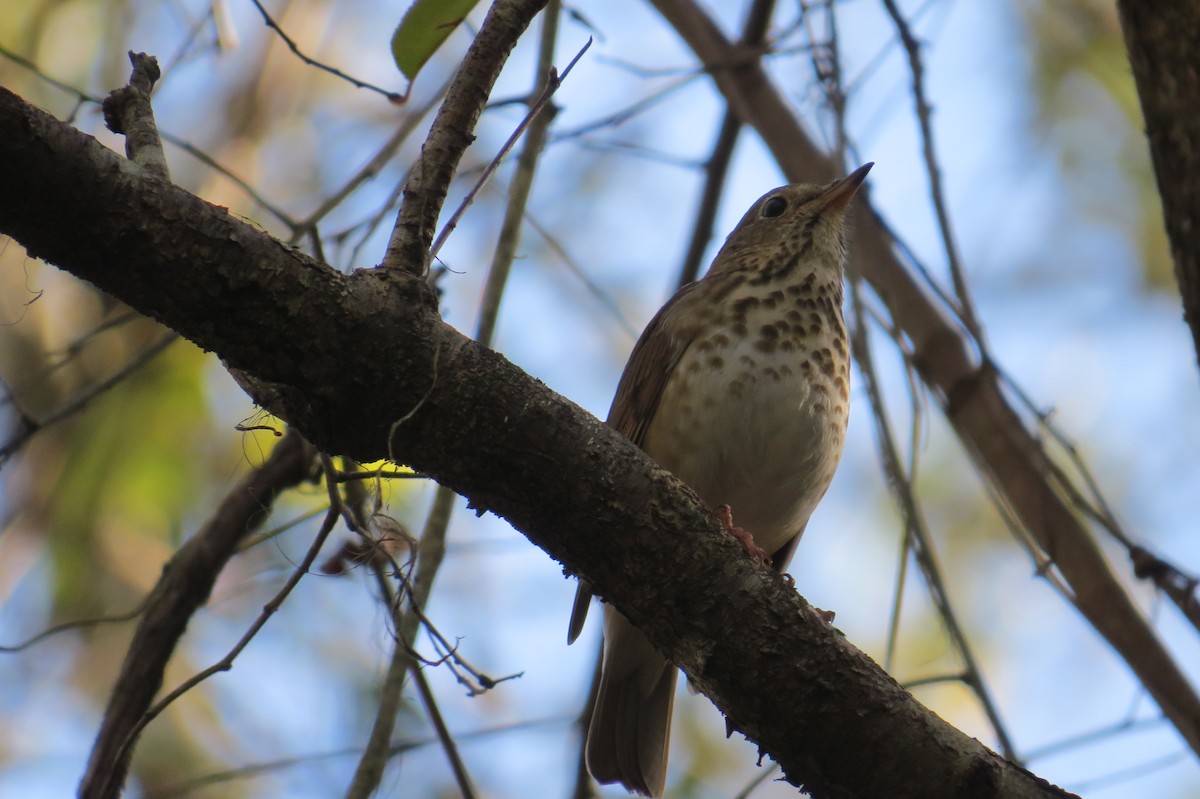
(1052, 199)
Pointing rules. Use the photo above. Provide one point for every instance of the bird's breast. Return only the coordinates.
(754, 414)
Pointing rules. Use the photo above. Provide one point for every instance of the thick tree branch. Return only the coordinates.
(465, 415)
(1162, 38)
(991, 430)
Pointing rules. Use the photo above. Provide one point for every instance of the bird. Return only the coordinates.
(740, 386)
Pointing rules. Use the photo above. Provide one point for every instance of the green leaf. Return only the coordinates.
(425, 26)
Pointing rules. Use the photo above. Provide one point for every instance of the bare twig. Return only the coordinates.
(432, 545)
(77, 345)
(249, 190)
(395, 97)
(916, 533)
(369, 771)
(630, 111)
(95, 621)
(373, 167)
(1098, 735)
(226, 663)
(79, 94)
(1095, 784)
(936, 193)
(128, 111)
(595, 289)
(30, 427)
(186, 787)
(553, 81)
(537, 121)
(754, 31)
(715, 170)
(429, 702)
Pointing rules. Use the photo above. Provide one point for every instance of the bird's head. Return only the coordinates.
(800, 219)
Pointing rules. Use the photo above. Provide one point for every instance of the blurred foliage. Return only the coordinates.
(1087, 113)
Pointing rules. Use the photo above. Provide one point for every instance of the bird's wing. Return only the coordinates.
(651, 364)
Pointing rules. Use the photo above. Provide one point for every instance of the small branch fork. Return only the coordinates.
(128, 111)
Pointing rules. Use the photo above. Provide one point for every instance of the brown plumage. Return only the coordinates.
(740, 386)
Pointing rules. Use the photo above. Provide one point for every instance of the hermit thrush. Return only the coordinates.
(740, 386)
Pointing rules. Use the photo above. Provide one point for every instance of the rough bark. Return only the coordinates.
(363, 365)
(1162, 38)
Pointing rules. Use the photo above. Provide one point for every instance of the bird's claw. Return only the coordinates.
(743, 535)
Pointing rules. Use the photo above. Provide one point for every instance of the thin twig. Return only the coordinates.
(226, 663)
(31, 427)
(369, 772)
(375, 754)
(55, 82)
(716, 168)
(916, 532)
(395, 97)
(553, 81)
(937, 195)
(94, 621)
(540, 116)
(77, 345)
(593, 288)
(630, 111)
(251, 541)
(249, 190)
(188, 786)
(1093, 785)
(443, 734)
(1101, 734)
(376, 164)
(432, 544)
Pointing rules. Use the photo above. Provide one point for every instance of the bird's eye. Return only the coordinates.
(774, 207)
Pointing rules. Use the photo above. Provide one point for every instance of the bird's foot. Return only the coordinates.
(743, 535)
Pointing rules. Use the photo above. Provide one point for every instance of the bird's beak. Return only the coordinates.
(841, 192)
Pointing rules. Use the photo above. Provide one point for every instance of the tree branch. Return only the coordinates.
(451, 133)
(1161, 39)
